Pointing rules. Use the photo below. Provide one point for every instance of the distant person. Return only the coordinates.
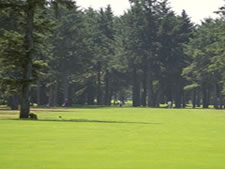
(121, 103)
(65, 104)
(169, 104)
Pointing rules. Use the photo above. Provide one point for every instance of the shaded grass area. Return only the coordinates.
(88, 121)
(113, 138)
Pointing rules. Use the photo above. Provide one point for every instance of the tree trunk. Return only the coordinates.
(50, 97)
(44, 94)
(169, 90)
(38, 93)
(106, 98)
(215, 97)
(55, 94)
(205, 96)
(158, 96)
(194, 98)
(65, 86)
(110, 96)
(27, 75)
(13, 102)
(198, 99)
(136, 88)
(144, 82)
(99, 88)
(183, 99)
(90, 93)
(150, 93)
(178, 95)
(221, 101)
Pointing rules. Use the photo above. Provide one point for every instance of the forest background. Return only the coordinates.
(53, 51)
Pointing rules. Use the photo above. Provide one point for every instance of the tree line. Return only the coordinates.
(52, 51)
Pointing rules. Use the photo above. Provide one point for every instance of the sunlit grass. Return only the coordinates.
(113, 138)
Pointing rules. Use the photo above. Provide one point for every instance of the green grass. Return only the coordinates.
(113, 138)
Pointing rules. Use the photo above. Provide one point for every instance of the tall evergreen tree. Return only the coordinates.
(31, 13)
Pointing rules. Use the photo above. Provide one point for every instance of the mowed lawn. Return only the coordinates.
(113, 138)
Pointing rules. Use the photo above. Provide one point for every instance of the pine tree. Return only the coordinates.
(31, 14)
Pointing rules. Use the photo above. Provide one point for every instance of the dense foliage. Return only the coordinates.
(53, 52)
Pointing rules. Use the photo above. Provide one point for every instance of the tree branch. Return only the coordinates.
(13, 6)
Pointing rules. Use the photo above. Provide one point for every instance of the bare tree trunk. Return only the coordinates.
(183, 99)
(221, 101)
(13, 102)
(99, 85)
(205, 94)
(150, 93)
(144, 82)
(38, 93)
(157, 98)
(178, 94)
(25, 102)
(106, 99)
(198, 99)
(55, 94)
(194, 98)
(91, 93)
(50, 97)
(65, 86)
(110, 96)
(215, 97)
(136, 88)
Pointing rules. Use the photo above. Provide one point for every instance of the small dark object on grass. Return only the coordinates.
(60, 117)
(33, 116)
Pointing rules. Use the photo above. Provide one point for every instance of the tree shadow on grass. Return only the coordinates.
(85, 121)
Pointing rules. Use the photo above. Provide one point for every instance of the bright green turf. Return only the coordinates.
(114, 138)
